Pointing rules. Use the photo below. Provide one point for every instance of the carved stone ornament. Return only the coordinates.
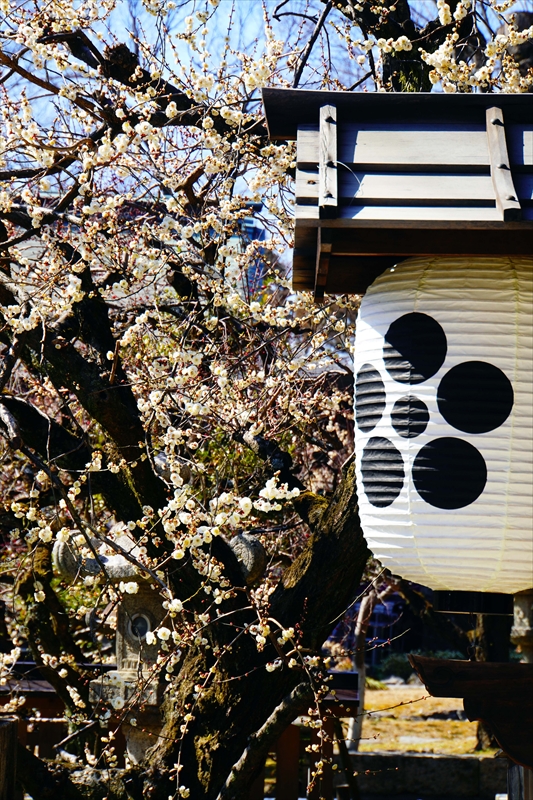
(71, 564)
(251, 555)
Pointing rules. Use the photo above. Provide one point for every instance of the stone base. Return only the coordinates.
(141, 736)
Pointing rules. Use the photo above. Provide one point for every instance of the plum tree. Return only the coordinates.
(160, 383)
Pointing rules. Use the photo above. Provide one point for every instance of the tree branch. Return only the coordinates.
(57, 445)
(44, 782)
(48, 781)
(253, 757)
(119, 63)
(309, 46)
(24, 73)
(48, 627)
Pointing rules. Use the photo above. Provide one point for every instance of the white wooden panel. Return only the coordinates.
(443, 147)
(399, 187)
(307, 185)
(416, 187)
(307, 144)
(444, 213)
(520, 144)
(307, 212)
(411, 213)
(395, 144)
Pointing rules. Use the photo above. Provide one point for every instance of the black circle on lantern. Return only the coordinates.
(370, 398)
(409, 417)
(383, 471)
(415, 348)
(449, 473)
(475, 397)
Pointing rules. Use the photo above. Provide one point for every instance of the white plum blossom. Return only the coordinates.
(445, 14)
(129, 587)
(245, 505)
(163, 633)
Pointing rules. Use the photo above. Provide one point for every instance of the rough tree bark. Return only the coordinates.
(312, 594)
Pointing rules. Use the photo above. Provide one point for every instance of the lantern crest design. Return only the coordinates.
(473, 397)
(444, 422)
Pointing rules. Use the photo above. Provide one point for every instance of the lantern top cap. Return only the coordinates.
(286, 109)
(381, 177)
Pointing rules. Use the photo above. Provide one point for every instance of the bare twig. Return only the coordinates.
(24, 73)
(309, 46)
(360, 81)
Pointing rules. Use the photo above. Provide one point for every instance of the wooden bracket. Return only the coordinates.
(327, 163)
(500, 167)
(499, 694)
(324, 246)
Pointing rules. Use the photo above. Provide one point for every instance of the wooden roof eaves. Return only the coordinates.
(285, 109)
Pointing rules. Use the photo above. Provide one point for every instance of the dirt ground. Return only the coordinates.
(407, 719)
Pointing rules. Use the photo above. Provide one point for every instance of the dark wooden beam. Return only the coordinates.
(388, 241)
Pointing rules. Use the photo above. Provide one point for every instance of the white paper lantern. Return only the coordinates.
(444, 413)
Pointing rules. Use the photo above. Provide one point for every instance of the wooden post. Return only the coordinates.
(515, 786)
(528, 783)
(287, 762)
(519, 782)
(8, 757)
(327, 162)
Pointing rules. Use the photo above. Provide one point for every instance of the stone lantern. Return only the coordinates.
(138, 613)
(134, 682)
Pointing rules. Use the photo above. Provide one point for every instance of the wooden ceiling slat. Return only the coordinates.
(364, 187)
